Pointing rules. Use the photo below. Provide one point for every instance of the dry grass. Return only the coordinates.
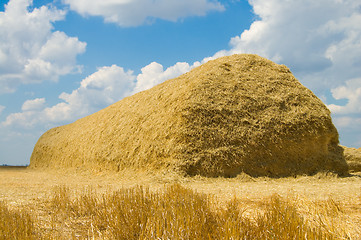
(16, 224)
(173, 213)
(65, 205)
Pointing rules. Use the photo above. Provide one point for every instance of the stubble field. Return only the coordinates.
(56, 202)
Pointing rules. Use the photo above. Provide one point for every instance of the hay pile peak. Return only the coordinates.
(240, 113)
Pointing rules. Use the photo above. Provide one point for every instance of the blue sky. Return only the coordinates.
(64, 59)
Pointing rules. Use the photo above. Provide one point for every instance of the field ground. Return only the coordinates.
(314, 196)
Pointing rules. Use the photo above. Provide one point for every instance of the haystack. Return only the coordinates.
(241, 113)
(353, 158)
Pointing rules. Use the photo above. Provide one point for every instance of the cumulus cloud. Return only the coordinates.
(318, 40)
(138, 12)
(102, 88)
(349, 127)
(154, 74)
(35, 104)
(352, 92)
(1, 109)
(345, 122)
(347, 118)
(25, 120)
(29, 51)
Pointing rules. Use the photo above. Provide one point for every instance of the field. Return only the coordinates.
(141, 205)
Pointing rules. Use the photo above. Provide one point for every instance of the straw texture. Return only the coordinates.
(239, 113)
(353, 158)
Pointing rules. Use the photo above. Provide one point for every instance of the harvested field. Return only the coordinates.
(324, 197)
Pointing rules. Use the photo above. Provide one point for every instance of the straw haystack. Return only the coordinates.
(353, 158)
(241, 113)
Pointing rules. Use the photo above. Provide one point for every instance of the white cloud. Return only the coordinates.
(347, 122)
(347, 118)
(1, 109)
(35, 104)
(102, 88)
(29, 51)
(154, 74)
(352, 92)
(138, 12)
(318, 40)
(25, 120)
(349, 126)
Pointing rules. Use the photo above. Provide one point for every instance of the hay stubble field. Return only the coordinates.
(323, 199)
